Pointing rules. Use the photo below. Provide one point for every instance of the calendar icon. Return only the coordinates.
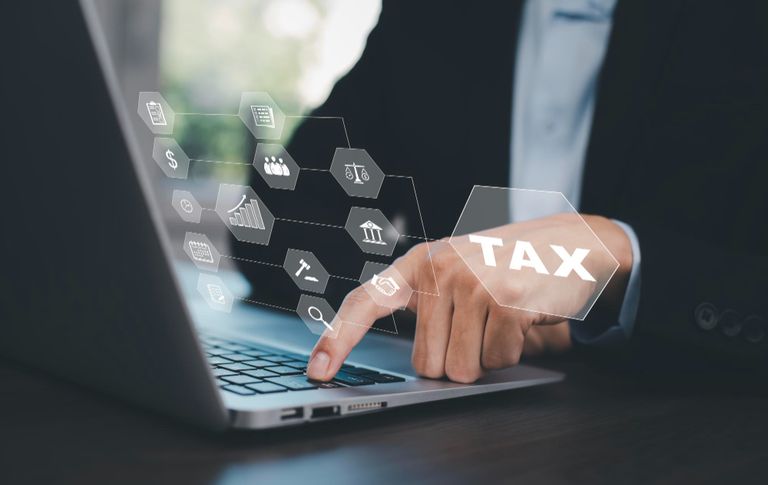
(201, 251)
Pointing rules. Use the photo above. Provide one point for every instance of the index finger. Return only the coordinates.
(357, 313)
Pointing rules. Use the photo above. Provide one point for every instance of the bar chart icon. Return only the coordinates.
(246, 214)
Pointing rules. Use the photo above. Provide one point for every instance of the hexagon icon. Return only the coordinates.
(385, 285)
(372, 231)
(356, 172)
(261, 115)
(187, 206)
(244, 214)
(201, 251)
(533, 251)
(306, 270)
(276, 166)
(215, 292)
(156, 113)
(170, 158)
(318, 316)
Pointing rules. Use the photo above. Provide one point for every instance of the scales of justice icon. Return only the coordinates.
(351, 172)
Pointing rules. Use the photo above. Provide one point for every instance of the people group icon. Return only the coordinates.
(275, 166)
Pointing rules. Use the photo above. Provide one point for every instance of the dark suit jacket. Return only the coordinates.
(678, 148)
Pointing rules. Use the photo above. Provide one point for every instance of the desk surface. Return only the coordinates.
(597, 426)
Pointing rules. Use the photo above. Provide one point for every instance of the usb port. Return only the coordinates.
(325, 411)
(292, 413)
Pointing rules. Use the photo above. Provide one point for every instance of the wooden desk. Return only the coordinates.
(596, 427)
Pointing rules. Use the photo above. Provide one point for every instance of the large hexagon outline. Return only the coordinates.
(362, 248)
(246, 116)
(335, 161)
(565, 317)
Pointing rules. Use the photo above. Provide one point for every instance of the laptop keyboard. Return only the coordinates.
(248, 369)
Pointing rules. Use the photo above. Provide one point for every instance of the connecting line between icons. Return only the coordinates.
(264, 263)
(205, 114)
(309, 222)
(343, 123)
(278, 307)
(273, 265)
(217, 161)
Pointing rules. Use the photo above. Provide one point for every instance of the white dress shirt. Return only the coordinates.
(561, 47)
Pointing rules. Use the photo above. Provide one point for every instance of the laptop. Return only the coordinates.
(90, 292)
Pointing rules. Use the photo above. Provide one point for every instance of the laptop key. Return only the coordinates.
(218, 372)
(242, 390)
(352, 380)
(236, 357)
(234, 347)
(359, 371)
(327, 385)
(241, 379)
(266, 387)
(384, 378)
(284, 370)
(278, 358)
(236, 366)
(256, 354)
(217, 360)
(259, 363)
(294, 383)
(260, 373)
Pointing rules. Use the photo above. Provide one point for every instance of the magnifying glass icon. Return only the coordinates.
(317, 315)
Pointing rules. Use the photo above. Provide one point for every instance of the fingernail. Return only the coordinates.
(318, 366)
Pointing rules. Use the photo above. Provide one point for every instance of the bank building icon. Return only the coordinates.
(372, 233)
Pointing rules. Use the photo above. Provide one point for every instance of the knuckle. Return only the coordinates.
(426, 367)
(494, 360)
(462, 372)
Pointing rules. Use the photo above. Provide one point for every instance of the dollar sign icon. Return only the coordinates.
(171, 161)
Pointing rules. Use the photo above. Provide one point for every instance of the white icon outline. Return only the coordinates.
(386, 285)
(216, 293)
(156, 114)
(263, 115)
(372, 233)
(248, 214)
(350, 172)
(319, 317)
(201, 251)
(276, 166)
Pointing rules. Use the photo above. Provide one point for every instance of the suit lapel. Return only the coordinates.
(636, 53)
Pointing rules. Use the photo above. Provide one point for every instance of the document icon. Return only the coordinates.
(263, 115)
(156, 115)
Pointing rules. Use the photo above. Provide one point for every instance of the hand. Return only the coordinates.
(464, 332)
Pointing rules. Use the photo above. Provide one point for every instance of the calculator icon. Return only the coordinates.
(156, 115)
